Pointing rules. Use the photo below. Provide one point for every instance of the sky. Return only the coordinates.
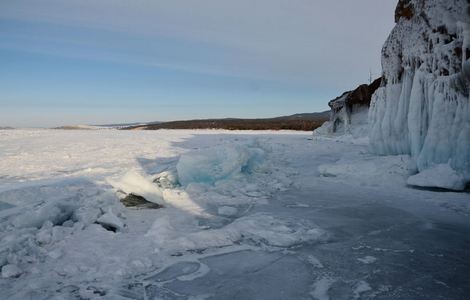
(118, 61)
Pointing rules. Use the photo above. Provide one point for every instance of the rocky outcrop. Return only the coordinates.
(423, 106)
(349, 111)
(404, 9)
(137, 201)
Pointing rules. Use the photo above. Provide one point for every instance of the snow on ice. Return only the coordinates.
(227, 211)
(244, 207)
(11, 271)
(367, 259)
(439, 176)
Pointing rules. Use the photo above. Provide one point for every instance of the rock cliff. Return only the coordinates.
(349, 111)
(423, 105)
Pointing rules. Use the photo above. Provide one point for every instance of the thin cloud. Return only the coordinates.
(289, 40)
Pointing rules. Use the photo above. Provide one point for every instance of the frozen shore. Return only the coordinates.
(246, 215)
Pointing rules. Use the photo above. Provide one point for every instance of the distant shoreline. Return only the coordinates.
(299, 122)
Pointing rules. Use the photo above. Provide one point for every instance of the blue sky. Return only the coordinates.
(107, 61)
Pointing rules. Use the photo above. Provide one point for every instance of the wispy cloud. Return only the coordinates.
(303, 40)
(183, 58)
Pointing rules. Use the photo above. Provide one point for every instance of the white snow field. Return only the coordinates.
(247, 215)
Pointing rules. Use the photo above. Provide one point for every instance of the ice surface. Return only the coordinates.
(367, 259)
(174, 271)
(369, 169)
(277, 232)
(218, 163)
(289, 216)
(111, 221)
(360, 288)
(11, 270)
(227, 211)
(249, 274)
(321, 287)
(167, 179)
(438, 176)
(56, 213)
(314, 261)
(256, 228)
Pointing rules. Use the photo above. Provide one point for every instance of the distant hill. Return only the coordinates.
(6, 128)
(105, 126)
(77, 127)
(306, 116)
(123, 125)
(303, 121)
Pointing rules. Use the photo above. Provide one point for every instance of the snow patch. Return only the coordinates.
(56, 212)
(367, 260)
(110, 221)
(361, 287)
(438, 176)
(314, 261)
(258, 228)
(11, 270)
(321, 288)
(227, 211)
(369, 169)
(135, 183)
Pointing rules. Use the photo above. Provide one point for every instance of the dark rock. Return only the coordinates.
(361, 95)
(404, 9)
(350, 102)
(107, 227)
(137, 201)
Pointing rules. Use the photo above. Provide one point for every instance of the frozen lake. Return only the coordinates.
(247, 215)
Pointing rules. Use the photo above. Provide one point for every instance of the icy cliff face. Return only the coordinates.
(423, 107)
(349, 112)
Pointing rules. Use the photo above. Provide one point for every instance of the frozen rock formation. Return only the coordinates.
(438, 176)
(349, 112)
(423, 106)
